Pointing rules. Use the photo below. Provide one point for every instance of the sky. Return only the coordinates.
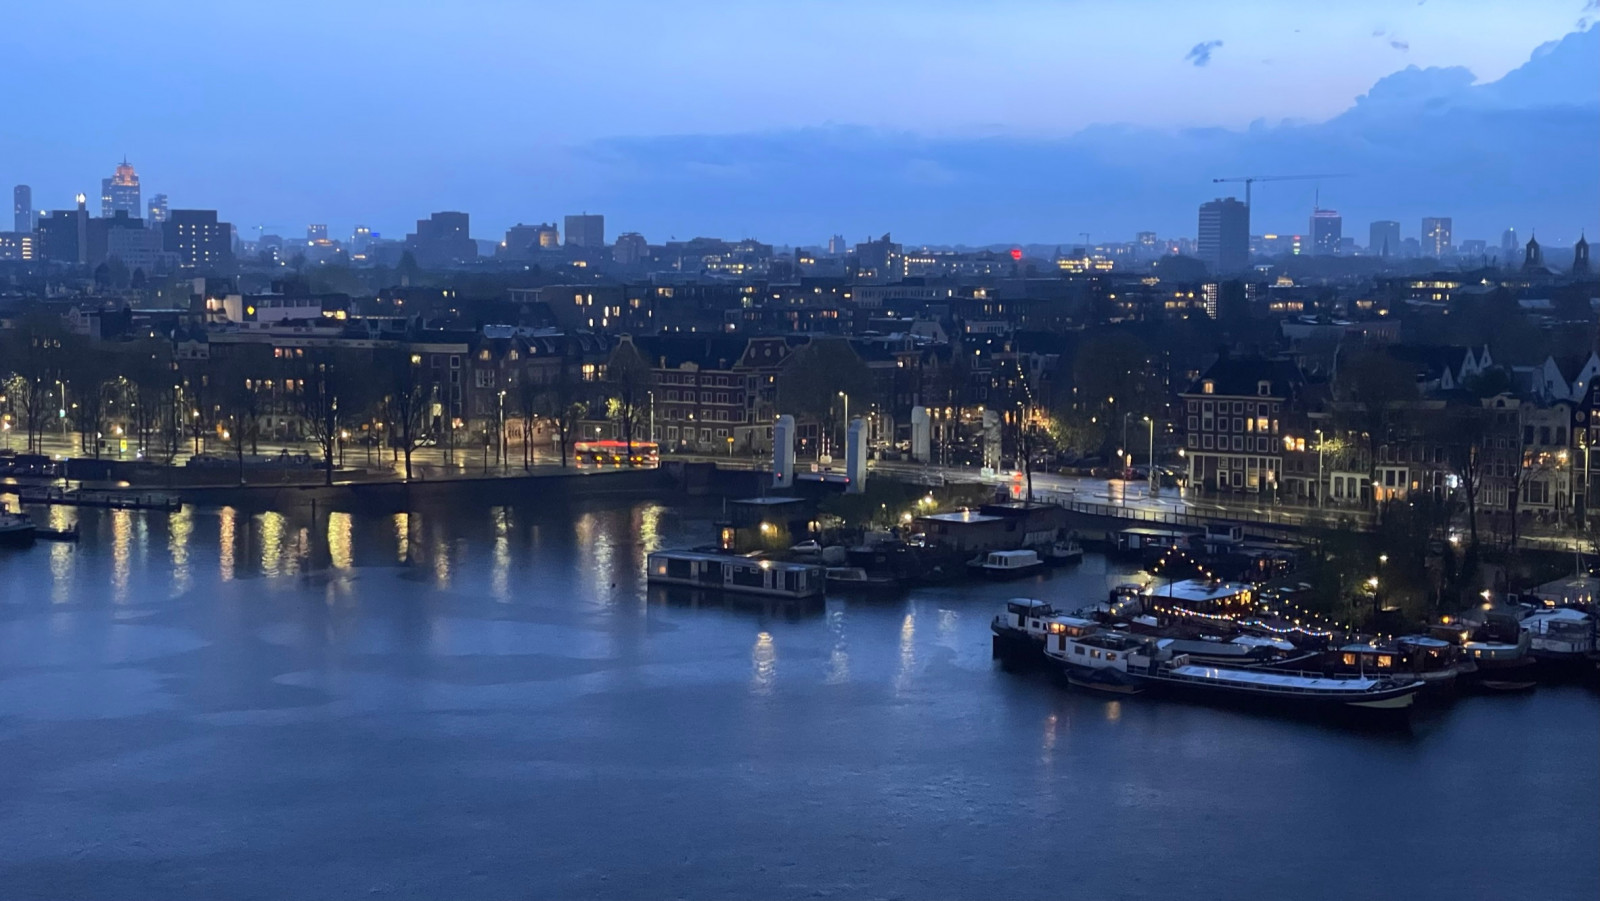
(941, 121)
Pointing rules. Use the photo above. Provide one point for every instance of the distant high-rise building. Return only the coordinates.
(1580, 256)
(1474, 248)
(157, 211)
(521, 241)
(360, 239)
(121, 192)
(22, 209)
(1224, 235)
(63, 235)
(317, 232)
(441, 239)
(631, 248)
(1410, 248)
(1508, 243)
(16, 246)
(200, 241)
(1327, 232)
(1436, 240)
(1383, 238)
(587, 230)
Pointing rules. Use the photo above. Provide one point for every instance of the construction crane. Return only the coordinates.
(1252, 179)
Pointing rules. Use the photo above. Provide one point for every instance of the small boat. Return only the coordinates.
(1064, 553)
(70, 533)
(1437, 663)
(1007, 564)
(16, 529)
(1560, 636)
(1498, 650)
(857, 579)
(735, 573)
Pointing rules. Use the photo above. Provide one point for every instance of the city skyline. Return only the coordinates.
(1509, 147)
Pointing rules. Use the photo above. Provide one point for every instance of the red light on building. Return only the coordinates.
(1016, 253)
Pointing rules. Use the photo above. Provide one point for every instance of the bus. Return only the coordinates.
(616, 453)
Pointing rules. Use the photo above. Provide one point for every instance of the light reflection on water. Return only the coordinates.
(839, 655)
(763, 664)
(402, 537)
(500, 566)
(340, 554)
(226, 521)
(271, 532)
(121, 553)
(906, 672)
(180, 526)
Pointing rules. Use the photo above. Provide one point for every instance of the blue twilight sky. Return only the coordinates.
(943, 121)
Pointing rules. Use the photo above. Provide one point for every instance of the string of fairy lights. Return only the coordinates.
(1305, 621)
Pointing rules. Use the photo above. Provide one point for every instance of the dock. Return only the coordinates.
(112, 500)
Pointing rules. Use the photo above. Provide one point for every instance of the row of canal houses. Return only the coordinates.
(1518, 437)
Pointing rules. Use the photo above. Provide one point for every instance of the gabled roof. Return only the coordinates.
(1243, 376)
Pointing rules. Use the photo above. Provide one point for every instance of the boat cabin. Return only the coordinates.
(1145, 540)
(1203, 597)
(728, 572)
(1007, 563)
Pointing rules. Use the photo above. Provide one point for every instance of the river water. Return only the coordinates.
(490, 704)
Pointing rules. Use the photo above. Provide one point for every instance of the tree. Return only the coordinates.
(1374, 390)
(628, 379)
(239, 394)
(36, 352)
(821, 374)
(331, 384)
(89, 373)
(560, 402)
(407, 399)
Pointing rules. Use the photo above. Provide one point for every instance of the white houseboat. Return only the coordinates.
(1020, 632)
(728, 572)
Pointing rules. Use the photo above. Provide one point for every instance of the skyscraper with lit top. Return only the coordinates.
(121, 192)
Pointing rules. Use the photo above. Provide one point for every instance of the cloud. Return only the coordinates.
(1423, 141)
(1402, 46)
(1200, 54)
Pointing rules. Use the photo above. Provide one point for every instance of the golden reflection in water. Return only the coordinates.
(271, 542)
(180, 526)
(339, 540)
(648, 529)
(908, 652)
(1113, 711)
(121, 551)
(402, 537)
(441, 562)
(225, 538)
(500, 571)
(763, 664)
(839, 657)
(1048, 753)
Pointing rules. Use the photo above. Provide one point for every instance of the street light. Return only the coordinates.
(1321, 489)
(1151, 460)
(846, 411)
(502, 430)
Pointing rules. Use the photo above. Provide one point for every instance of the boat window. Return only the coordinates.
(1061, 643)
(1385, 660)
(1349, 660)
(1111, 655)
(1095, 654)
(1077, 649)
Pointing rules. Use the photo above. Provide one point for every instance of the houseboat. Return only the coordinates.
(729, 572)
(1020, 632)
(858, 580)
(1149, 543)
(1207, 599)
(1065, 552)
(1560, 635)
(1498, 653)
(1127, 663)
(16, 529)
(1007, 564)
(1437, 663)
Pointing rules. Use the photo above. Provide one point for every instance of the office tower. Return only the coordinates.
(316, 232)
(631, 248)
(837, 246)
(16, 246)
(1508, 243)
(361, 239)
(549, 236)
(1383, 238)
(63, 235)
(199, 240)
(121, 192)
(22, 209)
(1474, 248)
(1436, 236)
(157, 211)
(1327, 231)
(441, 239)
(586, 231)
(1224, 235)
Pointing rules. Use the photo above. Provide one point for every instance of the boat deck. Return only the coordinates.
(1276, 681)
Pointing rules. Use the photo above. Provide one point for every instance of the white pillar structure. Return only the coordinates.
(783, 452)
(855, 452)
(991, 439)
(921, 435)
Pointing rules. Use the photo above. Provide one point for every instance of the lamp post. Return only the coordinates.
(502, 412)
(1321, 489)
(1151, 460)
(846, 412)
